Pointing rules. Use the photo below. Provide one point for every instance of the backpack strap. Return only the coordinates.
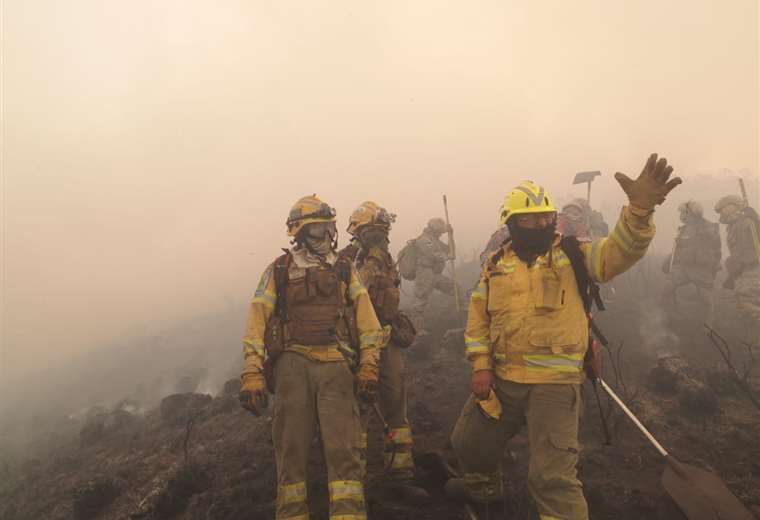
(496, 256)
(343, 265)
(587, 288)
(281, 265)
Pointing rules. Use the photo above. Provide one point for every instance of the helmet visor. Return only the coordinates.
(321, 229)
(323, 212)
(384, 218)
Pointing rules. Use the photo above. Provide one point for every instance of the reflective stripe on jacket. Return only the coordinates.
(528, 323)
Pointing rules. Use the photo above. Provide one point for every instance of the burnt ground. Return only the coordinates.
(198, 457)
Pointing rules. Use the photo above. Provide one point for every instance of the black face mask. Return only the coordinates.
(374, 237)
(531, 243)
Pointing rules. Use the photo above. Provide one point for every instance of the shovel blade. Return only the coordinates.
(701, 495)
(582, 177)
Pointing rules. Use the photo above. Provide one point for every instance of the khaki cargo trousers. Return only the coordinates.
(551, 414)
(392, 401)
(311, 394)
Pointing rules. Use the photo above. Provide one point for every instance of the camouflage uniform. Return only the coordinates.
(695, 258)
(432, 255)
(742, 264)
(579, 220)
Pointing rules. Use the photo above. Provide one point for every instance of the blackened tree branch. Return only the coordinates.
(724, 349)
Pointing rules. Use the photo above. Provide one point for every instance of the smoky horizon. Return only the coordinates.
(151, 152)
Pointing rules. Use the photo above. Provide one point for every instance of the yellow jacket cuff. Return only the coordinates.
(481, 362)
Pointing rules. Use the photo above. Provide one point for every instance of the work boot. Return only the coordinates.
(455, 490)
(405, 491)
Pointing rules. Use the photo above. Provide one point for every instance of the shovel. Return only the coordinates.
(700, 494)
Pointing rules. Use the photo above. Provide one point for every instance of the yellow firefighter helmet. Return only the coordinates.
(527, 197)
(307, 210)
(369, 214)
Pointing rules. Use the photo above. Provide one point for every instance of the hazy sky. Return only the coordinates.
(152, 150)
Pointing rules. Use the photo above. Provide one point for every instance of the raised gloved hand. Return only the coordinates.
(481, 383)
(652, 186)
(366, 383)
(253, 394)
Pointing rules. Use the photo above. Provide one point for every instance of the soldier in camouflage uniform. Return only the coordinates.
(579, 220)
(742, 265)
(432, 255)
(695, 259)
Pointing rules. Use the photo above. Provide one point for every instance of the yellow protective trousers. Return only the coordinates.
(551, 413)
(310, 393)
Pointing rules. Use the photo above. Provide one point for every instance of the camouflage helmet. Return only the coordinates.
(437, 225)
(728, 200)
(527, 197)
(691, 206)
(579, 203)
(368, 214)
(307, 210)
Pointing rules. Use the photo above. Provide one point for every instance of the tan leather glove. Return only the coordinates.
(253, 393)
(366, 383)
(652, 186)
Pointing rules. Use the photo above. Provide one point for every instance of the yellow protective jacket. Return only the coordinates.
(528, 323)
(262, 306)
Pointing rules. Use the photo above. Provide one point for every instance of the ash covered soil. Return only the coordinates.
(202, 457)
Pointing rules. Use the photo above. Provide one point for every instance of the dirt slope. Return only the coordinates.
(205, 458)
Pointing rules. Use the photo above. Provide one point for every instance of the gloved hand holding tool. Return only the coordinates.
(253, 394)
(366, 383)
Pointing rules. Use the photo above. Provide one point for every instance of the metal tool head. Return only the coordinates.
(701, 495)
(582, 177)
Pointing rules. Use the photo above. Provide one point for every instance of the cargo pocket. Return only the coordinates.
(548, 292)
(556, 338)
(564, 443)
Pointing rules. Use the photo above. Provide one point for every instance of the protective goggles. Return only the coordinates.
(533, 219)
(324, 211)
(384, 218)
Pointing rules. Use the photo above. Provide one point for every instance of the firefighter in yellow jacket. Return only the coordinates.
(369, 226)
(299, 334)
(526, 336)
